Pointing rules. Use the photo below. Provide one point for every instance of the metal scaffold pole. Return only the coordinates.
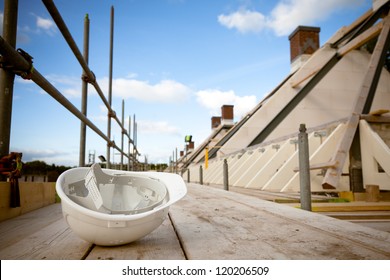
(7, 77)
(110, 84)
(225, 175)
(123, 132)
(173, 162)
(134, 144)
(84, 93)
(176, 160)
(129, 146)
(304, 168)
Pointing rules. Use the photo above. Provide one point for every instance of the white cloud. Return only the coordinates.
(166, 91)
(288, 14)
(244, 21)
(156, 127)
(213, 100)
(285, 16)
(46, 155)
(44, 23)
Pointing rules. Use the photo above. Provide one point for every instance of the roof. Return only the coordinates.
(340, 80)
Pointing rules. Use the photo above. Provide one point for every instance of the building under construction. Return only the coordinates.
(340, 91)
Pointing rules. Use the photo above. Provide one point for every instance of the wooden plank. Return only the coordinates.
(360, 40)
(330, 164)
(161, 244)
(375, 119)
(358, 21)
(217, 224)
(379, 112)
(55, 241)
(348, 29)
(16, 229)
(294, 84)
(376, 153)
(44, 234)
(347, 207)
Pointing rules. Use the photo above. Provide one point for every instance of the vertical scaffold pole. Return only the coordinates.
(7, 78)
(134, 144)
(173, 162)
(225, 175)
(84, 94)
(110, 85)
(200, 174)
(304, 168)
(123, 132)
(129, 147)
(176, 161)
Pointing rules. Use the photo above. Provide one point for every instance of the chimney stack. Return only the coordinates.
(304, 41)
(215, 122)
(190, 146)
(227, 114)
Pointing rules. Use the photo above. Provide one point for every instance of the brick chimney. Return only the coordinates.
(215, 122)
(304, 41)
(227, 114)
(190, 146)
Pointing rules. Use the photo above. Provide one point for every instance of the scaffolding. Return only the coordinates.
(17, 62)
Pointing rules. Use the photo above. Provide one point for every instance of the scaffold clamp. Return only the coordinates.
(25, 74)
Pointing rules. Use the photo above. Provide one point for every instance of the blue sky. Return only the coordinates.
(176, 62)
